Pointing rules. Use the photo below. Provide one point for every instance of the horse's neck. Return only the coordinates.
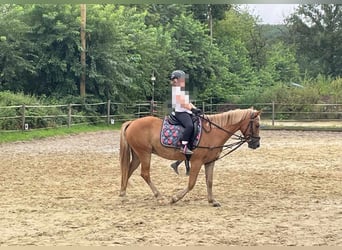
(230, 123)
(220, 135)
(230, 130)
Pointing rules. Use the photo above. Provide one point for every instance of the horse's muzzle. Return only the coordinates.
(254, 142)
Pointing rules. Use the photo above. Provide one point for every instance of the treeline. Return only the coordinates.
(228, 54)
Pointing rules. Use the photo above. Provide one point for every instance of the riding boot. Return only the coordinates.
(175, 165)
(184, 149)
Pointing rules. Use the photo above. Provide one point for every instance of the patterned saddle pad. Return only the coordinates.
(170, 134)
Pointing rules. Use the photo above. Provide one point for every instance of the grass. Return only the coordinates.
(6, 136)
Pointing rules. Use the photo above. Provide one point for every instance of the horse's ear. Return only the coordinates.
(252, 107)
(256, 113)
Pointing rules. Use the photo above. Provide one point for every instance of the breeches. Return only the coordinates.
(186, 121)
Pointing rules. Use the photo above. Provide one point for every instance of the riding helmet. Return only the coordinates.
(177, 74)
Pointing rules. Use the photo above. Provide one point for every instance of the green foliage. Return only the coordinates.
(13, 105)
(295, 99)
(201, 12)
(234, 37)
(336, 90)
(55, 32)
(126, 44)
(38, 116)
(111, 54)
(281, 64)
(8, 98)
(191, 50)
(16, 50)
(316, 31)
(274, 33)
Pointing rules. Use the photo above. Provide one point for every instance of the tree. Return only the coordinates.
(123, 52)
(316, 30)
(83, 50)
(233, 36)
(209, 14)
(55, 31)
(160, 14)
(281, 65)
(16, 50)
(191, 51)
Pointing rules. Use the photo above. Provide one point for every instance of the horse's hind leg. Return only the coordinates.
(194, 170)
(133, 165)
(209, 172)
(145, 174)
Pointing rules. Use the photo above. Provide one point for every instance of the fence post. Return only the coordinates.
(23, 117)
(273, 113)
(151, 107)
(108, 112)
(69, 115)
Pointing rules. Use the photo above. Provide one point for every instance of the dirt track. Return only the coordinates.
(64, 191)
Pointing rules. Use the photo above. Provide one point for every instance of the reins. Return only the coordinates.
(234, 146)
(219, 127)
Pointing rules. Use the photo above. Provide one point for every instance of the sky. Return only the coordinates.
(272, 13)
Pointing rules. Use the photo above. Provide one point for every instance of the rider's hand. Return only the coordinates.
(196, 111)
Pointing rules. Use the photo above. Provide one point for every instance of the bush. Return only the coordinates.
(11, 112)
(38, 115)
(296, 101)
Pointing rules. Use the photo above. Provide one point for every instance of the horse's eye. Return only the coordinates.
(257, 125)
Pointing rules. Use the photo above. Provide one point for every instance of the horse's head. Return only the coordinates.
(250, 129)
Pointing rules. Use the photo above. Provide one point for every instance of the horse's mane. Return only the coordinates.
(231, 117)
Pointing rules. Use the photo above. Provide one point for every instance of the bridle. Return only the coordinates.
(251, 135)
(250, 138)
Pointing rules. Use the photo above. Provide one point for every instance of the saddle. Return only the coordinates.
(172, 131)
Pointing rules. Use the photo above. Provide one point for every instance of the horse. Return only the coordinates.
(140, 138)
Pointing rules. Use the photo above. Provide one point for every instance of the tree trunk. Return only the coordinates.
(83, 51)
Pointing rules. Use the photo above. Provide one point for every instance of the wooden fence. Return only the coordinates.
(25, 117)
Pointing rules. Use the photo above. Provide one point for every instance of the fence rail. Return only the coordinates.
(25, 117)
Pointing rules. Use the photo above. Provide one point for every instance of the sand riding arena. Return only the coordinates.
(64, 191)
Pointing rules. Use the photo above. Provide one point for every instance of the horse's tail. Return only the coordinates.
(125, 158)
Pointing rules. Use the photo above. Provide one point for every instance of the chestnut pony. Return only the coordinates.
(140, 138)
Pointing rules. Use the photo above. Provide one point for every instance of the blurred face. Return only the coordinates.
(178, 82)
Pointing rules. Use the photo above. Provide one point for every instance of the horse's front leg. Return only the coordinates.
(194, 170)
(209, 172)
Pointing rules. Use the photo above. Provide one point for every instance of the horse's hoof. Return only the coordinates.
(216, 204)
(162, 201)
(123, 199)
(173, 200)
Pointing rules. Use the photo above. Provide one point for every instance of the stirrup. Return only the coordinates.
(185, 150)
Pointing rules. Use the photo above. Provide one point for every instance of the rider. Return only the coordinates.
(183, 107)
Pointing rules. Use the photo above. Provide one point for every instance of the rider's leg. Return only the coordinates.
(185, 119)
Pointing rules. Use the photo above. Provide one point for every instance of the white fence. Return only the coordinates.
(24, 117)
